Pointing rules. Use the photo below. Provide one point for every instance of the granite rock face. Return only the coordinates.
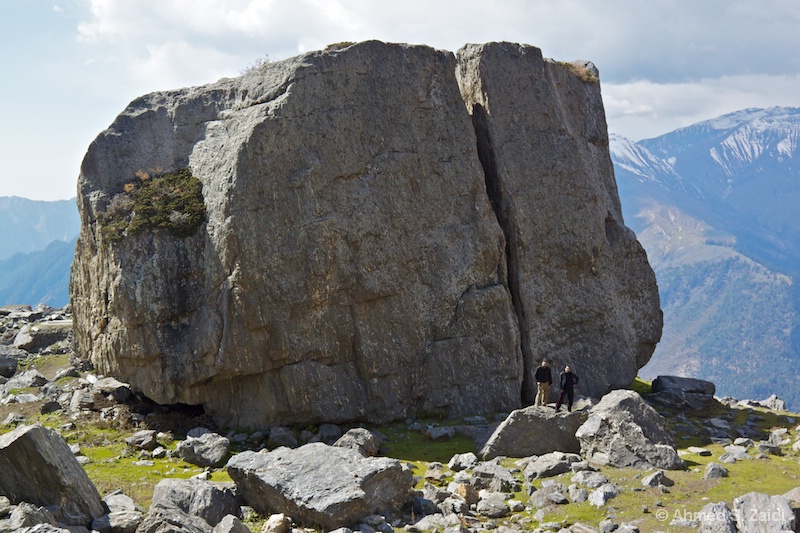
(373, 248)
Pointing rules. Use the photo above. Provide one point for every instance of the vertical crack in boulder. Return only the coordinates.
(500, 207)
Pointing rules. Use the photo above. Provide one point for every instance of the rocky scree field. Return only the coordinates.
(150, 455)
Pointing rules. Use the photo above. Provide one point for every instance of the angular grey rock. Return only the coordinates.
(117, 502)
(685, 385)
(162, 518)
(462, 461)
(534, 431)
(27, 515)
(757, 512)
(277, 523)
(549, 494)
(364, 441)
(578, 494)
(550, 464)
(8, 365)
(320, 484)
(37, 337)
(119, 391)
(657, 478)
(493, 505)
(440, 432)
(590, 479)
(208, 449)
(715, 471)
(600, 496)
(330, 433)
(143, 440)
(493, 477)
(231, 524)
(703, 452)
(281, 436)
(39, 468)
(28, 378)
(210, 501)
(774, 403)
(623, 431)
(118, 522)
(717, 518)
(768, 447)
(5, 506)
(351, 266)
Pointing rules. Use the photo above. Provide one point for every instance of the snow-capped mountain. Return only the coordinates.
(715, 205)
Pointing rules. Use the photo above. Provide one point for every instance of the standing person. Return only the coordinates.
(569, 380)
(544, 378)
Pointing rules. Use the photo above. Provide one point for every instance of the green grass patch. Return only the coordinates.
(641, 386)
(171, 201)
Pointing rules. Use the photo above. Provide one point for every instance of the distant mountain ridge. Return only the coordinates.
(36, 248)
(31, 225)
(714, 204)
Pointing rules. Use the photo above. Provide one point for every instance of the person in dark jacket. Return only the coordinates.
(569, 380)
(544, 378)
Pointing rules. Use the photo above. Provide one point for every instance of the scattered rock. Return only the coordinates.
(209, 501)
(599, 496)
(118, 522)
(329, 433)
(281, 436)
(366, 442)
(120, 392)
(38, 467)
(657, 478)
(209, 449)
(551, 493)
(232, 524)
(769, 448)
(534, 430)
(162, 518)
(623, 431)
(550, 464)
(143, 440)
(493, 505)
(590, 479)
(703, 452)
(462, 461)
(717, 518)
(715, 471)
(27, 515)
(440, 432)
(756, 512)
(774, 403)
(319, 484)
(682, 393)
(493, 477)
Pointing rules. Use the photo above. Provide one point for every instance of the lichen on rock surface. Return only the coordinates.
(368, 252)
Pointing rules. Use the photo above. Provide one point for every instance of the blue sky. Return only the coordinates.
(70, 66)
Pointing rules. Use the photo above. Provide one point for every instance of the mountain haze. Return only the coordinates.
(31, 225)
(36, 248)
(714, 204)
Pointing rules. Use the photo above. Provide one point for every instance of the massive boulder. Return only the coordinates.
(388, 230)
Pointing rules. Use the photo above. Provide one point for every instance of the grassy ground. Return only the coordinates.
(112, 466)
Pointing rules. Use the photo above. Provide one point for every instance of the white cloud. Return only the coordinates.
(643, 109)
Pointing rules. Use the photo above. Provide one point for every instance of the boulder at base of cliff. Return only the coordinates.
(38, 467)
(623, 431)
(320, 484)
(534, 431)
